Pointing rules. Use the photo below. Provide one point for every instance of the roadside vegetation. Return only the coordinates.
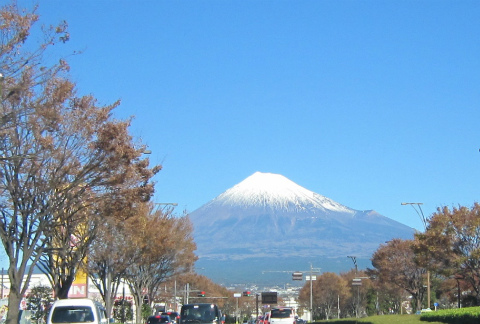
(380, 319)
(469, 315)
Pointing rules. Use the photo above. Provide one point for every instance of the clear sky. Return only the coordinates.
(370, 103)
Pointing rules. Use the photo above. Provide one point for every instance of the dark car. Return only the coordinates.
(174, 316)
(159, 319)
(201, 313)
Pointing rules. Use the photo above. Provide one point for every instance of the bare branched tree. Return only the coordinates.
(160, 246)
(107, 261)
(65, 163)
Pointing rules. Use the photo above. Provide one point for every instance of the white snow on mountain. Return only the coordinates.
(278, 192)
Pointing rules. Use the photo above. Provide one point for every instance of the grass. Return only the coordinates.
(381, 319)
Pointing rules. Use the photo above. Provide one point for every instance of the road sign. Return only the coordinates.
(269, 298)
(297, 276)
(308, 278)
(357, 282)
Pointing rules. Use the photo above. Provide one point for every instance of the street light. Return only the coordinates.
(166, 208)
(419, 211)
(354, 259)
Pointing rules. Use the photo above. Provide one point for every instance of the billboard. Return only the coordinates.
(269, 298)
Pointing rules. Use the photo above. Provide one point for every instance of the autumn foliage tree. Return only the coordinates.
(65, 162)
(389, 298)
(107, 262)
(452, 241)
(394, 262)
(329, 289)
(357, 302)
(213, 292)
(158, 246)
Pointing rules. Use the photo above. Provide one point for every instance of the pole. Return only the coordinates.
(458, 294)
(338, 306)
(236, 312)
(354, 259)
(424, 221)
(428, 288)
(311, 293)
(175, 294)
(256, 306)
(123, 303)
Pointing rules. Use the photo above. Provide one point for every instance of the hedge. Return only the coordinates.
(468, 315)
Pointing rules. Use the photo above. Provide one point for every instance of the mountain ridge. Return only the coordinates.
(269, 217)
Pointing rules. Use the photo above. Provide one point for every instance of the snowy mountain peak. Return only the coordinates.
(277, 192)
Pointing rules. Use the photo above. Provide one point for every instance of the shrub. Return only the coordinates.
(469, 315)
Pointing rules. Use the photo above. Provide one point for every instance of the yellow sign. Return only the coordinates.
(79, 286)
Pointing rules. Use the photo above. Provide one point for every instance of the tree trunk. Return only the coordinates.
(139, 304)
(63, 287)
(13, 313)
(419, 302)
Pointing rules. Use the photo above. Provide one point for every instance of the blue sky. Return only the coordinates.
(370, 103)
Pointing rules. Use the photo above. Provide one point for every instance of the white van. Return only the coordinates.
(282, 315)
(77, 310)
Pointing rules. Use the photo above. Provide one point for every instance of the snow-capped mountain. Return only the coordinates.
(274, 191)
(269, 218)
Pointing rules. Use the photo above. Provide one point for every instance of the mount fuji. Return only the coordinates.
(269, 224)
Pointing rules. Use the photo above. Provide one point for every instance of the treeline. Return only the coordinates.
(444, 258)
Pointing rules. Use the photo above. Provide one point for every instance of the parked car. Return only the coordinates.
(77, 310)
(159, 319)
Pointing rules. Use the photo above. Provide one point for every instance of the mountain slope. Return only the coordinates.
(267, 216)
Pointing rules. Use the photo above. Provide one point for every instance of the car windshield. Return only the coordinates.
(281, 313)
(72, 314)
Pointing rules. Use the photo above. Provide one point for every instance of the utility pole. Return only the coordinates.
(312, 270)
(424, 220)
(256, 306)
(357, 282)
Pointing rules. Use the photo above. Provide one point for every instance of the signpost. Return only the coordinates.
(269, 298)
(237, 296)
